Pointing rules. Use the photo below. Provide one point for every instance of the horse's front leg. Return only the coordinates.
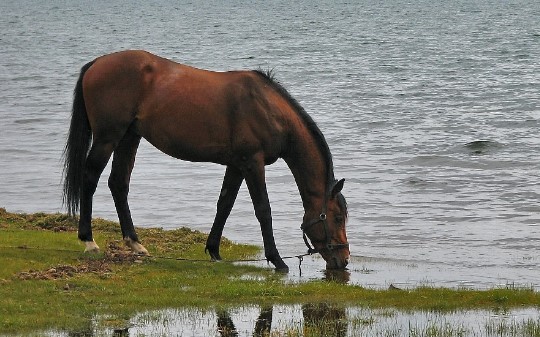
(231, 184)
(255, 179)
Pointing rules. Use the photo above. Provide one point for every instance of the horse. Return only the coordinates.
(243, 120)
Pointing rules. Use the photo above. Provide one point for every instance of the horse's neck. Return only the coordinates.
(308, 166)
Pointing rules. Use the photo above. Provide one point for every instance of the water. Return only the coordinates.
(431, 110)
(321, 320)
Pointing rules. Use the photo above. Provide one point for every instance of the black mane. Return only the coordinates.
(309, 123)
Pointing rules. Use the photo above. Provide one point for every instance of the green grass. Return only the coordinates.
(41, 243)
(524, 328)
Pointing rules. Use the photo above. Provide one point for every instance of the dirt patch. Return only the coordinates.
(116, 253)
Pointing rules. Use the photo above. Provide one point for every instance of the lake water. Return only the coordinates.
(431, 110)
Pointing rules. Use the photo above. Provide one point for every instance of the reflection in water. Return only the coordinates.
(225, 324)
(324, 319)
(121, 332)
(226, 327)
(339, 276)
(264, 322)
(321, 319)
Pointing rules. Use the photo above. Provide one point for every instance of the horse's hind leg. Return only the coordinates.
(231, 184)
(122, 166)
(96, 161)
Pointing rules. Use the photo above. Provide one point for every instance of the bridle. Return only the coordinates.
(328, 240)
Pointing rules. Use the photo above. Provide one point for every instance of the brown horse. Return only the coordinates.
(241, 119)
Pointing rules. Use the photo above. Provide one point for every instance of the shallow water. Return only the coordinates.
(431, 110)
(321, 320)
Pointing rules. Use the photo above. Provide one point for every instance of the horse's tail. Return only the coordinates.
(77, 146)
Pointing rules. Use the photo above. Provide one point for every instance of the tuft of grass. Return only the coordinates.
(524, 328)
(436, 329)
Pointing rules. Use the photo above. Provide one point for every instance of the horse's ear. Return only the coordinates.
(337, 187)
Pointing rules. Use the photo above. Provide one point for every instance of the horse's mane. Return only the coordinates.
(269, 77)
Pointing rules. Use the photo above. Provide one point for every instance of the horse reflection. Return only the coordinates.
(338, 276)
(322, 319)
(264, 322)
(226, 327)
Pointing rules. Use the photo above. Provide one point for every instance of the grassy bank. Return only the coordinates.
(47, 282)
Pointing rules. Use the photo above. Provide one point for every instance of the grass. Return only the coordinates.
(44, 271)
(524, 328)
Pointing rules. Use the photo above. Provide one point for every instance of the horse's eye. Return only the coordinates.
(339, 219)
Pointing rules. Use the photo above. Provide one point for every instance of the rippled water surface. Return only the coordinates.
(431, 110)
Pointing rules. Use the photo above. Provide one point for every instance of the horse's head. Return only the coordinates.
(327, 231)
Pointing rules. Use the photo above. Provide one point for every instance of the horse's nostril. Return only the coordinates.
(337, 262)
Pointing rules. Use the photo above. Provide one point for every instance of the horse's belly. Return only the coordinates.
(186, 139)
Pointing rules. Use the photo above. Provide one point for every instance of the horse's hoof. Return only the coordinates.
(283, 269)
(91, 247)
(136, 247)
(214, 256)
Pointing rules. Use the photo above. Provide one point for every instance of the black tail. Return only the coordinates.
(76, 150)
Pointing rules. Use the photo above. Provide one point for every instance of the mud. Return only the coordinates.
(101, 264)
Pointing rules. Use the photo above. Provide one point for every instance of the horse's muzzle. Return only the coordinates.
(335, 263)
(336, 258)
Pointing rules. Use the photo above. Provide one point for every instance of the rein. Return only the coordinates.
(328, 241)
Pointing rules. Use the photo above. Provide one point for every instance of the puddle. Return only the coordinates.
(319, 320)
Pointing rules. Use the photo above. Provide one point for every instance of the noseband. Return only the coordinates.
(328, 241)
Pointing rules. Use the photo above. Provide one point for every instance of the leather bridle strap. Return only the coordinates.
(312, 250)
(328, 242)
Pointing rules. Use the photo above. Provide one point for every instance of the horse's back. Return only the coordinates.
(188, 113)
